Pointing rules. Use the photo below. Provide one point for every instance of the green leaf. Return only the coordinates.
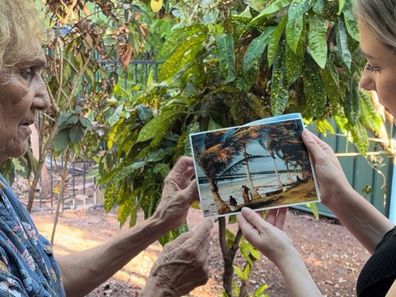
(111, 196)
(226, 55)
(159, 124)
(126, 171)
(249, 252)
(294, 30)
(317, 40)
(178, 36)
(161, 169)
(279, 87)
(173, 234)
(260, 291)
(350, 22)
(184, 55)
(241, 273)
(351, 104)
(314, 209)
(232, 219)
(158, 155)
(230, 237)
(33, 161)
(297, 8)
(124, 211)
(359, 136)
(145, 113)
(368, 117)
(342, 45)
(7, 169)
(274, 41)
(293, 63)
(85, 123)
(341, 4)
(324, 126)
(314, 91)
(76, 133)
(318, 6)
(274, 7)
(67, 119)
(61, 141)
(329, 77)
(256, 49)
(115, 117)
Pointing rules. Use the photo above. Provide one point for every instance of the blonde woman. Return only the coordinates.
(377, 25)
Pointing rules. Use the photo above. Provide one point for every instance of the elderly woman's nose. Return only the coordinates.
(41, 99)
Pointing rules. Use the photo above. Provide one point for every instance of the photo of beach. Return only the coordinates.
(261, 165)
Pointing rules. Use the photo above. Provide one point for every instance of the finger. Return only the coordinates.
(182, 164)
(248, 230)
(313, 147)
(204, 251)
(281, 217)
(201, 233)
(253, 218)
(323, 145)
(189, 172)
(272, 214)
(190, 193)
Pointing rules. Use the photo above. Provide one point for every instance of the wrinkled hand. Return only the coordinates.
(180, 189)
(329, 174)
(267, 236)
(183, 265)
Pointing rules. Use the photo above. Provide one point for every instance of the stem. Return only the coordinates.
(61, 194)
(228, 255)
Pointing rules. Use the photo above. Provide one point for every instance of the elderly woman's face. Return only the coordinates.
(22, 93)
(380, 72)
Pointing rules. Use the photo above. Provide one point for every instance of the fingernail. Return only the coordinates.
(306, 134)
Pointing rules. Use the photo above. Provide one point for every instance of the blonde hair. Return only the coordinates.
(21, 32)
(380, 16)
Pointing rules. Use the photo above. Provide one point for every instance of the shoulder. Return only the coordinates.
(379, 272)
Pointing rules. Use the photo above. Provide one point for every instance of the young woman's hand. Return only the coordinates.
(267, 236)
(330, 177)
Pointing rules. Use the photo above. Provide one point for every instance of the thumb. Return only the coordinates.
(313, 147)
(190, 193)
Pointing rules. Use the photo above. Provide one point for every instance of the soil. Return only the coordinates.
(331, 254)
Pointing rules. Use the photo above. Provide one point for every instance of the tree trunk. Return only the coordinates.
(222, 207)
(255, 194)
(65, 171)
(277, 174)
(228, 255)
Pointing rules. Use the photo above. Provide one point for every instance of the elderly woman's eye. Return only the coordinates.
(27, 73)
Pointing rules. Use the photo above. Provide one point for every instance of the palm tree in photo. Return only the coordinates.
(255, 194)
(267, 146)
(213, 159)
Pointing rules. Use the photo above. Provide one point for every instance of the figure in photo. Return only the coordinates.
(246, 194)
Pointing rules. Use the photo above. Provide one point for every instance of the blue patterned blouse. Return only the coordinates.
(27, 265)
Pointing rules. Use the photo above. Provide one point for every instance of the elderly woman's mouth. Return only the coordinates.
(24, 127)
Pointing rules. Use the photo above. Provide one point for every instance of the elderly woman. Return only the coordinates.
(377, 24)
(27, 264)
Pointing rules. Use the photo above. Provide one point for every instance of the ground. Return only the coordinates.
(332, 255)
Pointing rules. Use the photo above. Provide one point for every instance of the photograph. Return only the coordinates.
(261, 165)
